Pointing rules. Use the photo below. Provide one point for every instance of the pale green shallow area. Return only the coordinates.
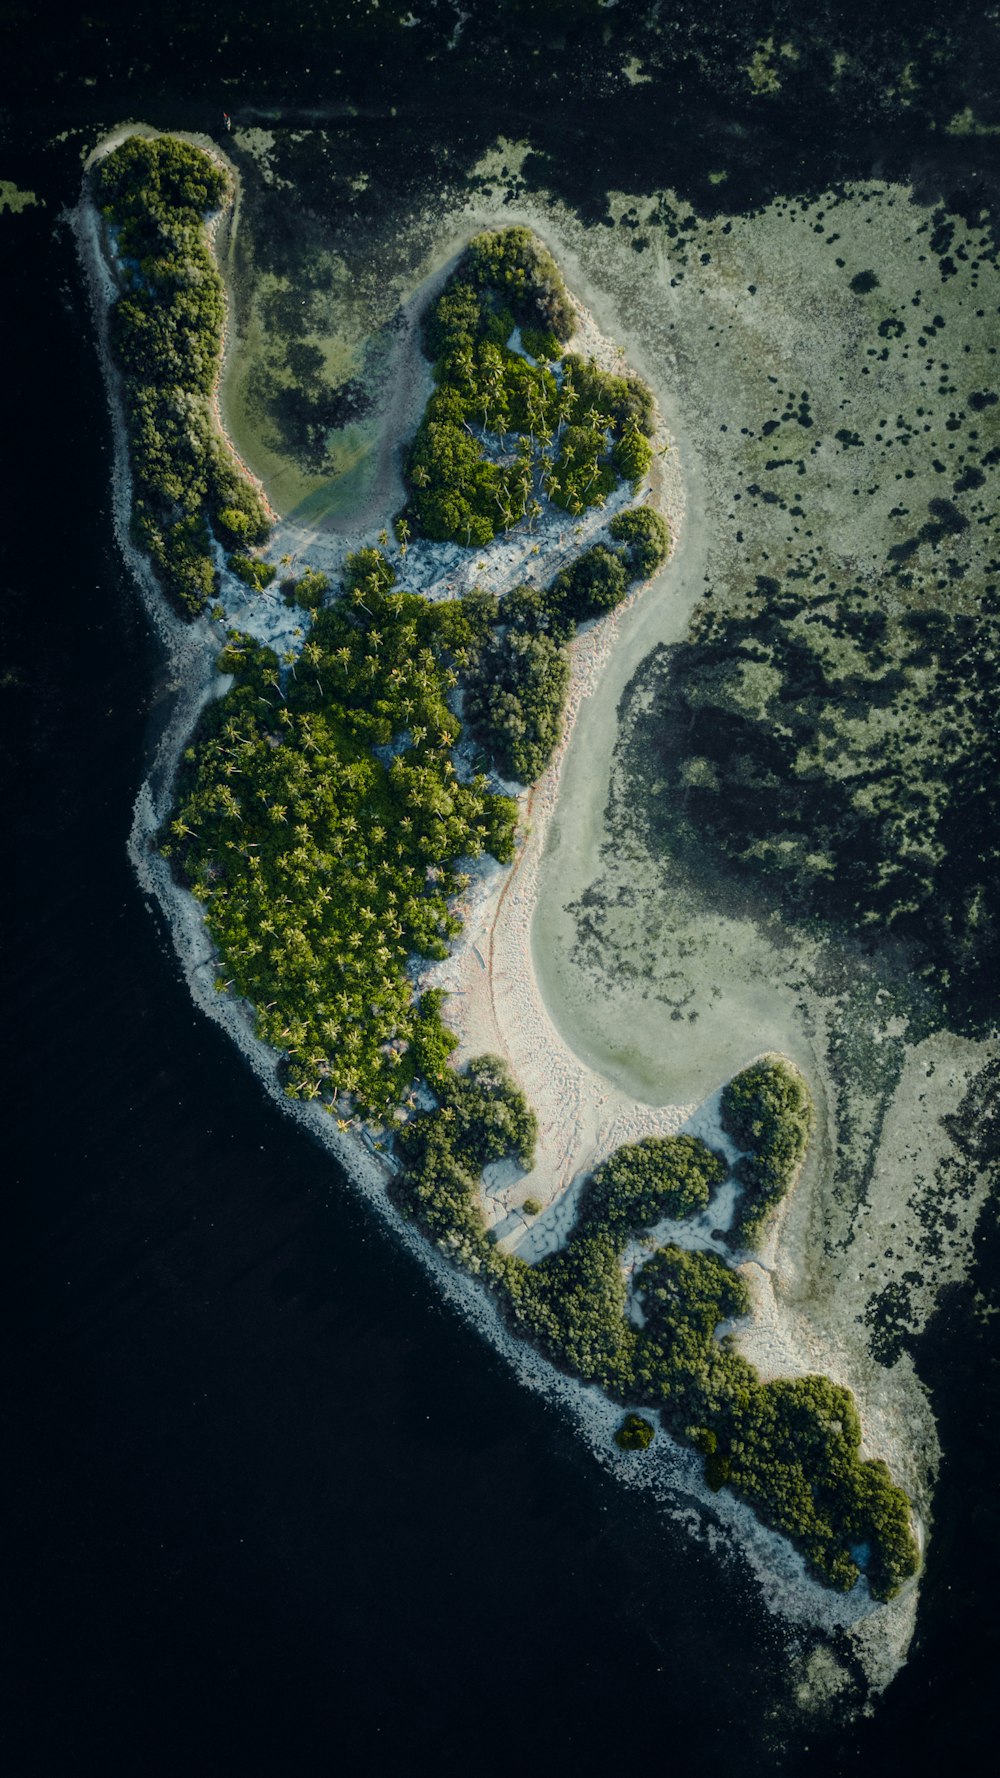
(651, 983)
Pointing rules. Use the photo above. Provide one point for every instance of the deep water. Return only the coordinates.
(269, 1509)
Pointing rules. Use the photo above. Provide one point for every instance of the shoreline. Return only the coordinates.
(668, 1470)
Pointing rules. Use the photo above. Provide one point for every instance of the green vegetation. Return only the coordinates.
(519, 674)
(309, 590)
(790, 1447)
(166, 336)
(516, 698)
(322, 865)
(500, 431)
(646, 538)
(252, 571)
(481, 1117)
(635, 1433)
(646, 1181)
(768, 1111)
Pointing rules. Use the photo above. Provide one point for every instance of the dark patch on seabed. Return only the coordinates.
(269, 1509)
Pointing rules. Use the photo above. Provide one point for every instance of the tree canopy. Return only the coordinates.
(166, 336)
(508, 426)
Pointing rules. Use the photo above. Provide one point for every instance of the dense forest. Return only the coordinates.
(166, 336)
(512, 420)
(322, 823)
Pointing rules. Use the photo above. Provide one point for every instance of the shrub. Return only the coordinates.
(252, 571)
(511, 265)
(592, 585)
(643, 1182)
(767, 1109)
(632, 456)
(531, 1207)
(309, 590)
(646, 539)
(635, 1433)
(542, 345)
(515, 699)
(166, 335)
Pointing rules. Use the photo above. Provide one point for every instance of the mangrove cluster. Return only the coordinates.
(320, 820)
(511, 419)
(790, 1446)
(768, 1112)
(517, 682)
(166, 337)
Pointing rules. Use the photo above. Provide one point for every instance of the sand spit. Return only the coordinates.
(496, 1001)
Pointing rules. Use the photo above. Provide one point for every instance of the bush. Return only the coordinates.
(309, 590)
(252, 571)
(166, 335)
(542, 346)
(644, 1182)
(592, 585)
(482, 1117)
(635, 1433)
(531, 1207)
(513, 268)
(632, 456)
(646, 539)
(515, 698)
(767, 1109)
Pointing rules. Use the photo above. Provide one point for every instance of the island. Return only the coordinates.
(357, 781)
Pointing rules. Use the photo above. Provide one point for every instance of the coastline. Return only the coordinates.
(586, 1117)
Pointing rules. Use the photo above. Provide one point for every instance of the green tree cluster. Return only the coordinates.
(253, 571)
(790, 1447)
(605, 425)
(515, 700)
(320, 822)
(166, 337)
(645, 537)
(500, 431)
(767, 1110)
(518, 676)
(482, 1116)
(643, 1182)
(309, 590)
(635, 1433)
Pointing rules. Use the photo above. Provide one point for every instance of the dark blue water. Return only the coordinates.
(269, 1509)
